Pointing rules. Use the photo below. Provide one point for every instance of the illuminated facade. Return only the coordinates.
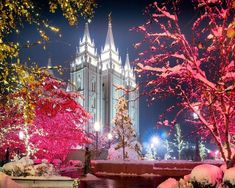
(96, 75)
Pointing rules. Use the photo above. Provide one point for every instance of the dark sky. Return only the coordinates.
(125, 15)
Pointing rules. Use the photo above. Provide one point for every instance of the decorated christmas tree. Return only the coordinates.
(123, 129)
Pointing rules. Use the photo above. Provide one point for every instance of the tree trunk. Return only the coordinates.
(230, 163)
(123, 149)
(26, 141)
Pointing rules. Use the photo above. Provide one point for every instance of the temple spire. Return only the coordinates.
(86, 36)
(127, 63)
(109, 42)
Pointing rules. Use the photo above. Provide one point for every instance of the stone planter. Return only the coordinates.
(49, 182)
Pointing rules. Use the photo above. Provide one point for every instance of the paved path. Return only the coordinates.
(92, 181)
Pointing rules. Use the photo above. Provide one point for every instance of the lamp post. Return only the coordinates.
(97, 129)
(110, 137)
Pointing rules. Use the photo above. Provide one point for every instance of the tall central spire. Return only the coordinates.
(109, 42)
(86, 36)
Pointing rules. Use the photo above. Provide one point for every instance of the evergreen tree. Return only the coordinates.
(202, 150)
(168, 148)
(123, 128)
(150, 153)
(178, 140)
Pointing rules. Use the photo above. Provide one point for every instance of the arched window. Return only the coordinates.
(79, 82)
(93, 86)
(93, 103)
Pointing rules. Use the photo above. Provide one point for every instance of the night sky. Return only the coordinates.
(125, 15)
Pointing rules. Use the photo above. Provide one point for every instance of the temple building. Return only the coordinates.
(98, 75)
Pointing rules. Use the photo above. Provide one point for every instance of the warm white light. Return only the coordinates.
(97, 126)
(195, 116)
(196, 109)
(155, 140)
(110, 136)
(21, 135)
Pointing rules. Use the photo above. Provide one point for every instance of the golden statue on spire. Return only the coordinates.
(110, 18)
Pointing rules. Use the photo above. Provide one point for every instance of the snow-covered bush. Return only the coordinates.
(26, 167)
(169, 183)
(229, 177)
(75, 163)
(116, 154)
(205, 175)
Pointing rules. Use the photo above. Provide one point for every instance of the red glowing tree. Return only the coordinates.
(200, 71)
(58, 123)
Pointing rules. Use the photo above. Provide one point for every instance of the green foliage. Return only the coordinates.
(200, 185)
(167, 146)
(202, 150)
(228, 184)
(178, 140)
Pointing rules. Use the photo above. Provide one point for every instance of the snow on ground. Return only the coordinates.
(206, 174)
(125, 161)
(148, 175)
(89, 177)
(169, 183)
(114, 174)
(44, 178)
(7, 182)
(229, 175)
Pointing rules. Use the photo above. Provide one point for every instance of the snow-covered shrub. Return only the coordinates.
(229, 178)
(185, 183)
(26, 167)
(116, 154)
(75, 163)
(205, 175)
(56, 162)
(169, 183)
(18, 168)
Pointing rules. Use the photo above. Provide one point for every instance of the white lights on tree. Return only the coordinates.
(195, 116)
(97, 126)
(110, 136)
(21, 135)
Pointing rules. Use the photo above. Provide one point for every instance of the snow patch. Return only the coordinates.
(206, 174)
(169, 183)
(229, 176)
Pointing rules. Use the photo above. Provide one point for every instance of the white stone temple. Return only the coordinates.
(97, 77)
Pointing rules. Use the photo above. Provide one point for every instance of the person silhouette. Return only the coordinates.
(7, 155)
(87, 164)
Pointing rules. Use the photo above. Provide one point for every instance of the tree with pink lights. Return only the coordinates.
(199, 71)
(58, 123)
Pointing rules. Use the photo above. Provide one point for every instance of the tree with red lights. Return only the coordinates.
(58, 123)
(199, 71)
